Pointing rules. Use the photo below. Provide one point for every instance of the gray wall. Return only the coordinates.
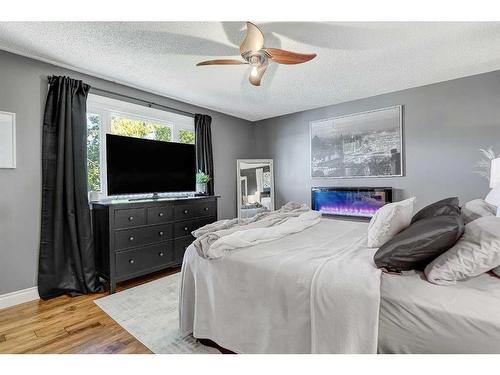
(23, 88)
(444, 126)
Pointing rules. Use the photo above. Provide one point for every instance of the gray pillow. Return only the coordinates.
(419, 244)
(477, 252)
(444, 207)
(477, 208)
(496, 271)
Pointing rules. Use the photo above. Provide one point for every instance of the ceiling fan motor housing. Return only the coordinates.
(256, 58)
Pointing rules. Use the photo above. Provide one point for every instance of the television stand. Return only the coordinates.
(133, 239)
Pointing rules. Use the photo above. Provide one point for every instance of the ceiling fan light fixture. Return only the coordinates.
(254, 71)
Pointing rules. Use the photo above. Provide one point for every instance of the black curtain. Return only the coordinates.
(66, 262)
(204, 155)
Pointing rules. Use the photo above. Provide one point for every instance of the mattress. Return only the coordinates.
(419, 317)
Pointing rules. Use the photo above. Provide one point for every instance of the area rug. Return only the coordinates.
(149, 312)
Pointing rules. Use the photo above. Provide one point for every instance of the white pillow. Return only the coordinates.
(477, 252)
(477, 208)
(388, 221)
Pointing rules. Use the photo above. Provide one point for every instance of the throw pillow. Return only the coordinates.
(419, 244)
(477, 208)
(445, 207)
(478, 251)
(388, 221)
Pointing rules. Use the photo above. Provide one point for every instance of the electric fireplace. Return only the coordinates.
(350, 201)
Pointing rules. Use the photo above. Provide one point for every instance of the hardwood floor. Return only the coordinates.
(68, 325)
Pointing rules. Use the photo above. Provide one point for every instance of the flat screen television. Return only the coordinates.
(136, 166)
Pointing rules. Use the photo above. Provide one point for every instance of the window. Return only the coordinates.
(111, 116)
(186, 136)
(140, 128)
(94, 151)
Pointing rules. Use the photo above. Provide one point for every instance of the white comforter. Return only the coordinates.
(254, 236)
(217, 239)
(317, 291)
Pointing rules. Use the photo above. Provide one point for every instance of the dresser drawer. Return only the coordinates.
(184, 228)
(188, 211)
(129, 262)
(129, 218)
(180, 246)
(161, 214)
(207, 208)
(142, 236)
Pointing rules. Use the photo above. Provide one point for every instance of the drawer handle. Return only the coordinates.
(206, 208)
(185, 211)
(160, 214)
(131, 261)
(160, 254)
(130, 218)
(160, 233)
(131, 238)
(185, 229)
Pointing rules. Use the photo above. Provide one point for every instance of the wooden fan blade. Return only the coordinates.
(255, 79)
(254, 40)
(287, 57)
(221, 62)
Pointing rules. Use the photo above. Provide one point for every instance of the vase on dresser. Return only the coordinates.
(201, 188)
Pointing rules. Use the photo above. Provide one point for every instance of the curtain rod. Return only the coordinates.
(149, 104)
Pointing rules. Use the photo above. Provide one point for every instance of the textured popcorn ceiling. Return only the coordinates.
(355, 60)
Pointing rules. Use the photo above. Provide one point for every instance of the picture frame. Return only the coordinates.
(367, 144)
(7, 140)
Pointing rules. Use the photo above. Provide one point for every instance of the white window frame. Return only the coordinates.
(105, 108)
(133, 116)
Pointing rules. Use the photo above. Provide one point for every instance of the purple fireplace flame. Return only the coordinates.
(348, 210)
(359, 202)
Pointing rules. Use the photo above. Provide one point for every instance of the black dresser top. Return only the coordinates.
(128, 202)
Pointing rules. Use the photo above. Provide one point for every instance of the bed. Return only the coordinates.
(318, 291)
(419, 317)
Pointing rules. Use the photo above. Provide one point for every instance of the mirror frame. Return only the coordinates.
(238, 182)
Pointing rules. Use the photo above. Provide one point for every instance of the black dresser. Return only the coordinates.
(134, 238)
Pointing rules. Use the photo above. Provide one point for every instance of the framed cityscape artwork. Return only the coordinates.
(367, 144)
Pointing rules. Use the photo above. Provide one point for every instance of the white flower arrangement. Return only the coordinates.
(482, 167)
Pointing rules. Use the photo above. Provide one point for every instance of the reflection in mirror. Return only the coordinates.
(255, 187)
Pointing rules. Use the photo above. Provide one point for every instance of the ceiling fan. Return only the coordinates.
(253, 52)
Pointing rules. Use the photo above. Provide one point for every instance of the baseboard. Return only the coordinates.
(18, 297)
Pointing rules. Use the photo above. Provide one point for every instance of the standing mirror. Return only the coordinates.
(255, 186)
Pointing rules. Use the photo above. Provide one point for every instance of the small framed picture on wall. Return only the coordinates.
(7, 140)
